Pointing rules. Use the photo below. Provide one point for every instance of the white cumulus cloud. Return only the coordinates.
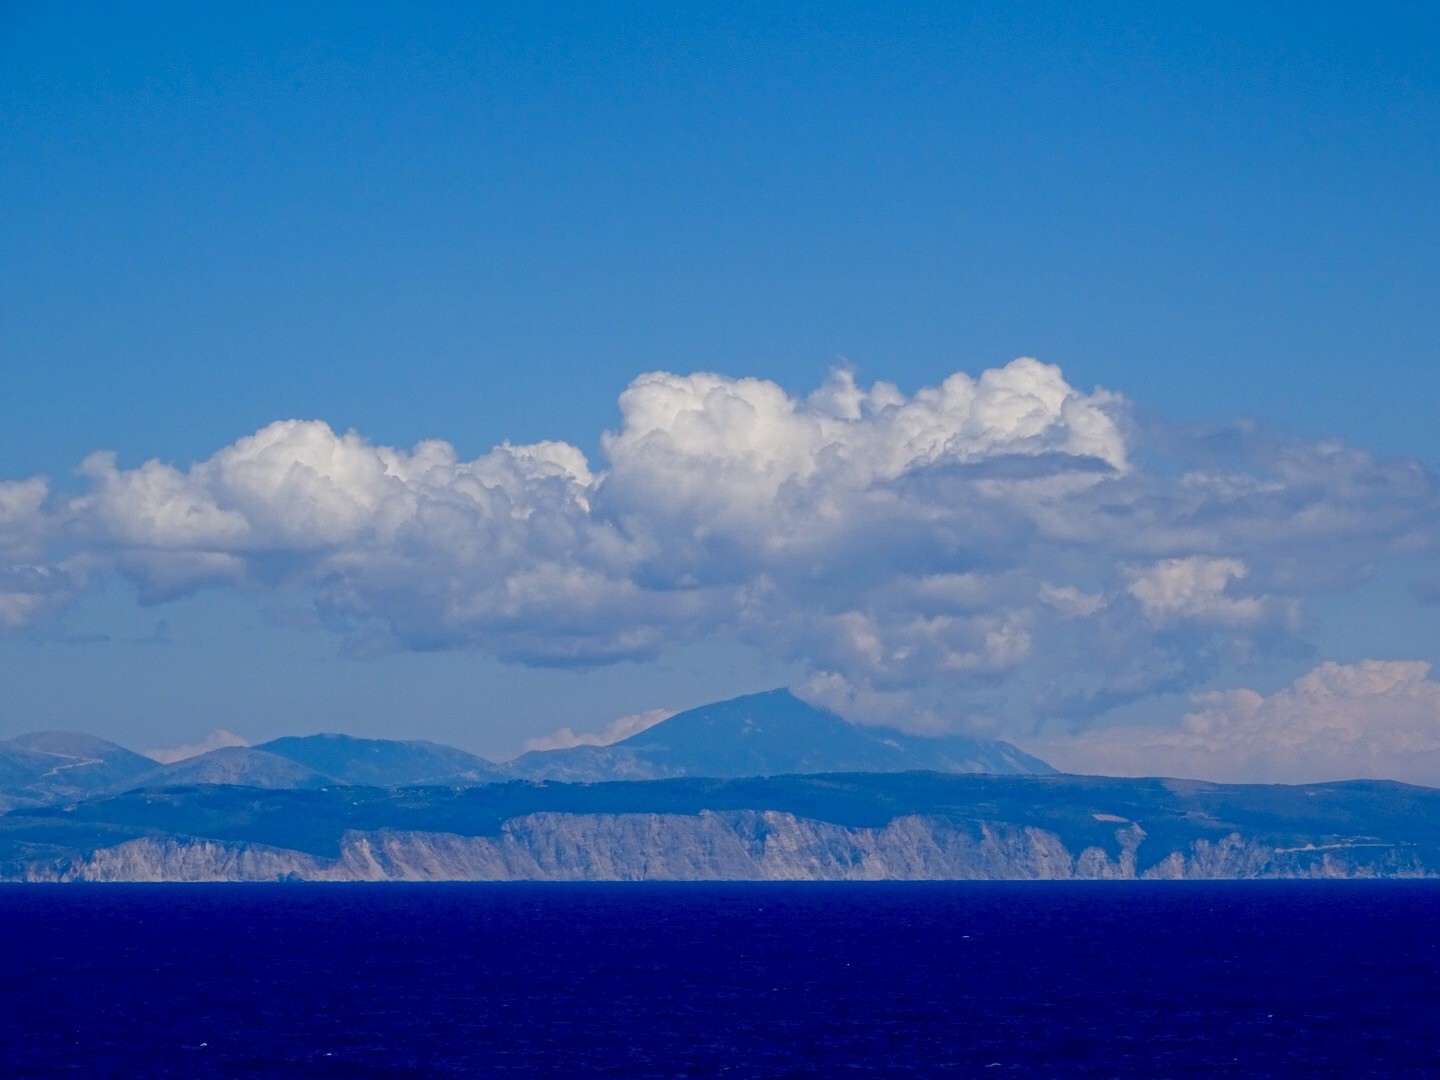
(1198, 588)
(1005, 544)
(30, 585)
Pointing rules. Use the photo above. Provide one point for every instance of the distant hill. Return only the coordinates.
(770, 734)
(51, 766)
(235, 765)
(384, 762)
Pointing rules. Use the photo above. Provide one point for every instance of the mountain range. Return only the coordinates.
(760, 787)
(766, 734)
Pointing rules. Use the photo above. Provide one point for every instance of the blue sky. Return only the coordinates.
(437, 222)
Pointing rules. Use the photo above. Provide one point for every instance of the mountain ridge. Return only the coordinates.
(766, 734)
(236, 766)
(45, 766)
(349, 759)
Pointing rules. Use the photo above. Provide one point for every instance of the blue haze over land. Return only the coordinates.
(769, 734)
(486, 229)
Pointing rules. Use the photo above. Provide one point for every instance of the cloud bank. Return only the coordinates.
(990, 550)
(1377, 719)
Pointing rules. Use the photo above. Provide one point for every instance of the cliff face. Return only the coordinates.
(730, 845)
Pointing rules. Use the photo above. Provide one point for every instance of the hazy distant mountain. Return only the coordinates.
(770, 734)
(242, 766)
(828, 827)
(384, 762)
(50, 766)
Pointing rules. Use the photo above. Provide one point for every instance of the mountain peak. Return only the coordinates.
(767, 734)
(72, 744)
(46, 766)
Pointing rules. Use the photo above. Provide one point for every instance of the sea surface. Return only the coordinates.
(964, 979)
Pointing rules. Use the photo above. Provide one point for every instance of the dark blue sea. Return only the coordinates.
(1033, 979)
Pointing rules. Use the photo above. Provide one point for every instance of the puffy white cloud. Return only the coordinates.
(1006, 545)
(718, 446)
(297, 486)
(1377, 718)
(29, 587)
(1197, 588)
(622, 727)
(438, 548)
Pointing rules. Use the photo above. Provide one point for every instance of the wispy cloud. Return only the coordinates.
(620, 728)
(214, 741)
